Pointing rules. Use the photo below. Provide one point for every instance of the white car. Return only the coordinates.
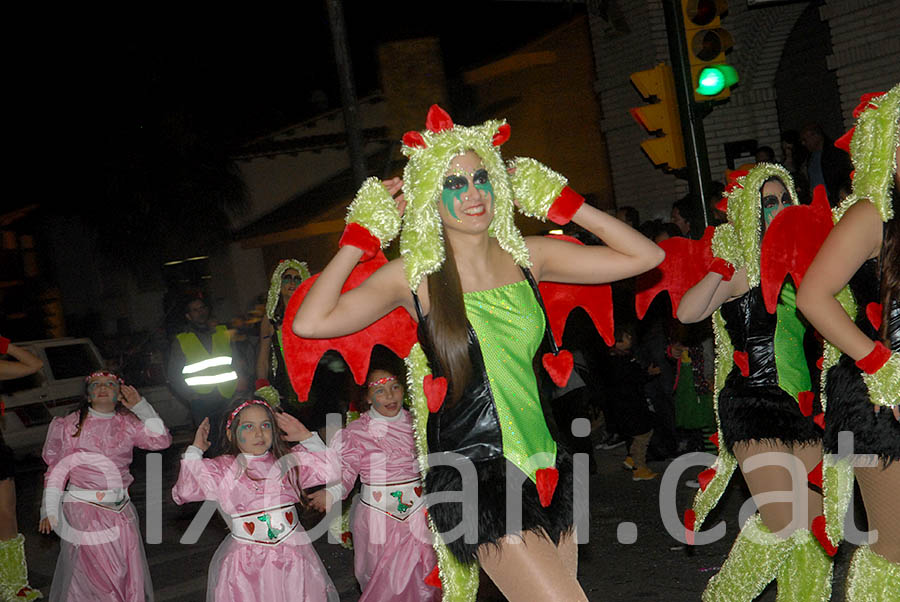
(31, 402)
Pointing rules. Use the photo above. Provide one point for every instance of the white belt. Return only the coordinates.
(108, 499)
(268, 527)
(397, 500)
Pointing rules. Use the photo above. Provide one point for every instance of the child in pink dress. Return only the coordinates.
(88, 454)
(257, 481)
(393, 553)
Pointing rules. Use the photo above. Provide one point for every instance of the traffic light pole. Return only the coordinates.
(691, 113)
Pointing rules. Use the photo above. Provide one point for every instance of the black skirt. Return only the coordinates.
(762, 413)
(552, 521)
(849, 409)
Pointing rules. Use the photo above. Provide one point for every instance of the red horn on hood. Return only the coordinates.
(438, 120)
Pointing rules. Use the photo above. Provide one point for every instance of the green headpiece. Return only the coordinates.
(873, 146)
(430, 152)
(739, 240)
(275, 286)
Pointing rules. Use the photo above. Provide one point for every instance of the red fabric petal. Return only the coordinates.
(843, 142)
(396, 331)
(559, 367)
(414, 140)
(873, 312)
(545, 481)
(684, 266)
(595, 299)
(435, 391)
(742, 361)
(690, 519)
(715, 439)
(864, 103)
(820, 362)
(818, 529)
(815, 475)
(791, 242)
(819, 419)
(805, 400)
(723, 205)
(565, 206)
(438, 120)
(434, 578)
(705, 477)
(502, 135)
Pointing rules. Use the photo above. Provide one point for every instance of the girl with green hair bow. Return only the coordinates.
(763, 404)
(468, 277)
(862, 253)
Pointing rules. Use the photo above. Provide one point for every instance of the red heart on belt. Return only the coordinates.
(249, 528)
(100, 495)
(742, 362)
(290, 517)
(418, 491)
(376, 495)
(559, 367)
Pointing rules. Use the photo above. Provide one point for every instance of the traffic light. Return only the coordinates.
(707, 43)
(668, 148)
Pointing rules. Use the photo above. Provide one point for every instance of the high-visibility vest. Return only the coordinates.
(204, 371)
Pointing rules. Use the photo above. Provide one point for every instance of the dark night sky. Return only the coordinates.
(106, 88)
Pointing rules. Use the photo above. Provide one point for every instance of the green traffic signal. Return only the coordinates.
(714, 79)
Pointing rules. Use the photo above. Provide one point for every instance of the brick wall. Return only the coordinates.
(865, 48)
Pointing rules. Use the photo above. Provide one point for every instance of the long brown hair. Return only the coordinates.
(889, 261)
(447, 325)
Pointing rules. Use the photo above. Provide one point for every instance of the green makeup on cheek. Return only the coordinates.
(769, 213)
(487, 189)
(449, 196)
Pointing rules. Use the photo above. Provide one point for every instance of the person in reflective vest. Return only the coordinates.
(204, 368)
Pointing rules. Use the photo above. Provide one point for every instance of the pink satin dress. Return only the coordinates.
(392, 544)
(246, 571)
(101, 553)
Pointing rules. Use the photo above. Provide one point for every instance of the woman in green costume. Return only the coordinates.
(764, 404)
(862, 368)
(270, 364)
(469, 278)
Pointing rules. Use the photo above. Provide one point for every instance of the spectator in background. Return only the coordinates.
(794, 159)
(205, 369)
(828, 165)
(630, 216)
(716, 192)
(765, 154)
(686, 215)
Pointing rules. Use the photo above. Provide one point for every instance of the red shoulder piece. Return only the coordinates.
(561, 298)
(396, 331)
(790, 244)
(685, 265)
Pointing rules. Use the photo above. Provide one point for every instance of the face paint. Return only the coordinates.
(454, 187)
(94, 387)
(483, 183)
(772, 205)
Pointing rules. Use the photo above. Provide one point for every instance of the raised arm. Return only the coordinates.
(626, 252)
(27, 363)
(854, 239)
(705, 297)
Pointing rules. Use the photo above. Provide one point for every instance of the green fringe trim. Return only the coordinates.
(458, 580)
(872, 151)
(535, 186)
(872, 578)
(421, 240)
(739, 240)
(275, 284)
(375, 209)
(884, 385)
(725, 464)
(837, 491)
(806, 573)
